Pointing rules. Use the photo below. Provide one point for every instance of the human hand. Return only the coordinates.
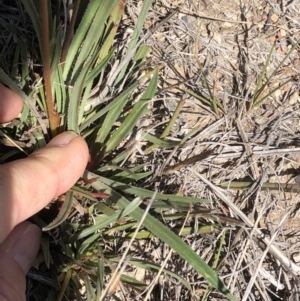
(27, 186)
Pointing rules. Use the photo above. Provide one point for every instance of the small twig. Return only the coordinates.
(41, 278)
(253, 277)
(248, 149)
(267, 275)
(257, 151)
(10, 142)
(166, 162)
(286, 262)
(199, 15)
(268, 21)
(205, 132)
(187, 162)
(283, 6)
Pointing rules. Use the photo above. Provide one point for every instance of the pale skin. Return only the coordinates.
(27, 186)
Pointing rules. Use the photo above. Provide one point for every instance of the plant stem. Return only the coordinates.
(52, 114)
(271, 186)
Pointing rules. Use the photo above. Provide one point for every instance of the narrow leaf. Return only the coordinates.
(136, 34)
(75, 97)
(144, 193)
(63, 213)
(132, 118)
(160, 142)
(167, 236)
(110, 219)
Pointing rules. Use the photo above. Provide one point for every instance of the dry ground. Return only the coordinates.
(258, 240)
(231, 40)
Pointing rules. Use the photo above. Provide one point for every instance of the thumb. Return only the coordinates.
(28, 185)
(17, 254)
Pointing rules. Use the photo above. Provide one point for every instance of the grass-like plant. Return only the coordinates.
(266, 86)
(93, 82)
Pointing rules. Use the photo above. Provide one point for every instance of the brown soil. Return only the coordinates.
(231, 41)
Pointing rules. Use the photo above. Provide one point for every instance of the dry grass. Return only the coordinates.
(232, 42)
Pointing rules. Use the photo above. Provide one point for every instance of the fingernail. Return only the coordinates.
(25, 249)
(63, 139)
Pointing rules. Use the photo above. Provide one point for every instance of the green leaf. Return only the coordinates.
(260, 86)
(160, 142)
(114, 113)
(90, 291)
(24, 61)
(64, 285)
(100, 273)
(135, 36)
(88, 35)
(110, 219)
(75, 97)
(129, 177)
(144, 234)
(59, 92)
(132, 118)
(264, 186)
(166, 235)
(63, 213)
(134, 283)
(122, 98)
(46, 251)
(145, 193)
(99, 67)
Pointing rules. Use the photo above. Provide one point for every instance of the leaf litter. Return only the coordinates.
(257, 145)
